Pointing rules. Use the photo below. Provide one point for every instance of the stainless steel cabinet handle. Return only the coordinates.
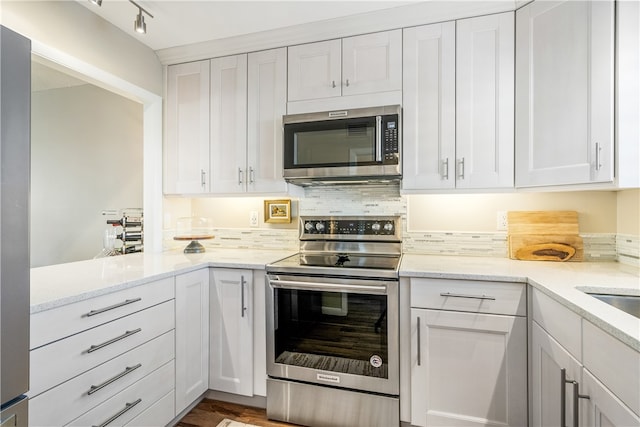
(113, 340)
(419, 347)
(239, 175)
(333, 83)
(576, 400)
(242, 307)
(111, 307)
(202, 177)
(347, 84)
(445, 169)
(379, 138)
(461, 168)
(127, 407)
(563, 399)
(251, 175)
(449, 294)
(598, 160)
(113, 379)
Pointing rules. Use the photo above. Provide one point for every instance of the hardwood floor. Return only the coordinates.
(209, 413)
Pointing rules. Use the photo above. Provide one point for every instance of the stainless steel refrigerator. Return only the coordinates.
(15, 124)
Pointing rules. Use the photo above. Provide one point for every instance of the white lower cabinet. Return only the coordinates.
(603, 408)
(192, 337)
(468, 367)
(231, 331)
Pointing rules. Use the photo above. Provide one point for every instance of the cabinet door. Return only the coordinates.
(228, 124)
(603, 408)
(186, 154)
(192, 337)
(468, 369)
(564, 78)
(429, 115)
(548, 358)
(231, 338)
(485, 101)
(267, 94)
(315, 70)
(372, 63)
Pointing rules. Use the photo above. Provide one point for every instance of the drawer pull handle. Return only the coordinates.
(121, 412)
(419, 345)
(113, 340)
(127, 371)
(111, 307)
(449, 294)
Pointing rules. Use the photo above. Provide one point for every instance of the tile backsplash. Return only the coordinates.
(386, 200)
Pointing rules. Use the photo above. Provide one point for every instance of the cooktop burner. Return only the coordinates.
(346, 246)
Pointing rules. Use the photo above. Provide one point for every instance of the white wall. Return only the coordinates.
(86, 156)
(72, 29)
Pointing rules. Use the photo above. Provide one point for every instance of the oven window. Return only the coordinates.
(339, 332)
(330, 143)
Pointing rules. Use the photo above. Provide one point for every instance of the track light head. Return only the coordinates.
(96, 2)
(139, 25)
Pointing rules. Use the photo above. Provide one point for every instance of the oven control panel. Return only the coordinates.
(327, 227)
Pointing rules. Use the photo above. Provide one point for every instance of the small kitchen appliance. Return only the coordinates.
(332, 324)
(357, 146)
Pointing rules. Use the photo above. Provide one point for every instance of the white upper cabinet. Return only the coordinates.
(564, 92)
(267, 94)
(429, 106)
(485, 101)
(351, 66)
(228, 98)
(186, 152)
(458, 104)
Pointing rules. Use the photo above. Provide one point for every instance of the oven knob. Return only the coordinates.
(309, 226)
(320, 226)
(388, 226)
(375, 226)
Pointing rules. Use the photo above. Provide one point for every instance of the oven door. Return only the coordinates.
(340, 332)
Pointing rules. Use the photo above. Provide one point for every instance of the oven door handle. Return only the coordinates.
(329, 287)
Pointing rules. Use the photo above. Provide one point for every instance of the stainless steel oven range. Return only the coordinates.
(333, 325)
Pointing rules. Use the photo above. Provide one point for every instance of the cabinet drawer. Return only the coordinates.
(132, 401)
(159, 414)
(561, 323)
(65, 359)
(469, 295)
(618, 368)
(73, 398)
(80, 316)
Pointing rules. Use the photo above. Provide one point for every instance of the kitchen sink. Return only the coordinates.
(627, 303)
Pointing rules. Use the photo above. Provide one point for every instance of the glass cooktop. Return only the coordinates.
(339, 264)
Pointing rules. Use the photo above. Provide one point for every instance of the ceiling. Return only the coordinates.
(183, 22)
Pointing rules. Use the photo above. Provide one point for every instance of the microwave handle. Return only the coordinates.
(378, 138)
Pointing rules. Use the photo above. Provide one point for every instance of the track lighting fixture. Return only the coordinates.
(138, 24)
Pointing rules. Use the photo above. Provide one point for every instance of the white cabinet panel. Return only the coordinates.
(468, 369)
(548, 358)
(315, 70)
(267, 94)
(564, 88)
(192, 337)
(228, 152)
(429, 111)
(186, 152)
(603, 408)
(485, 101)
(231, 334)
(372, 63)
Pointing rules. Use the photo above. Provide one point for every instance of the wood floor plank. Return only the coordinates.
(209, 413)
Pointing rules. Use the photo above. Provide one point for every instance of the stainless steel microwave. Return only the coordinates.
(358, 145)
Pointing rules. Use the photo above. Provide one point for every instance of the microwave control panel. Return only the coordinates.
(390, 139)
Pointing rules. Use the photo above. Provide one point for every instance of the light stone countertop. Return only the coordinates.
(562, 281)
(62, 284)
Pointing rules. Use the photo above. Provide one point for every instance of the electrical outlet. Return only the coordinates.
(253, 218)
(501, 221)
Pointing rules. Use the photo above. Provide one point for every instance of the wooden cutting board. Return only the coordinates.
(544, 236)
